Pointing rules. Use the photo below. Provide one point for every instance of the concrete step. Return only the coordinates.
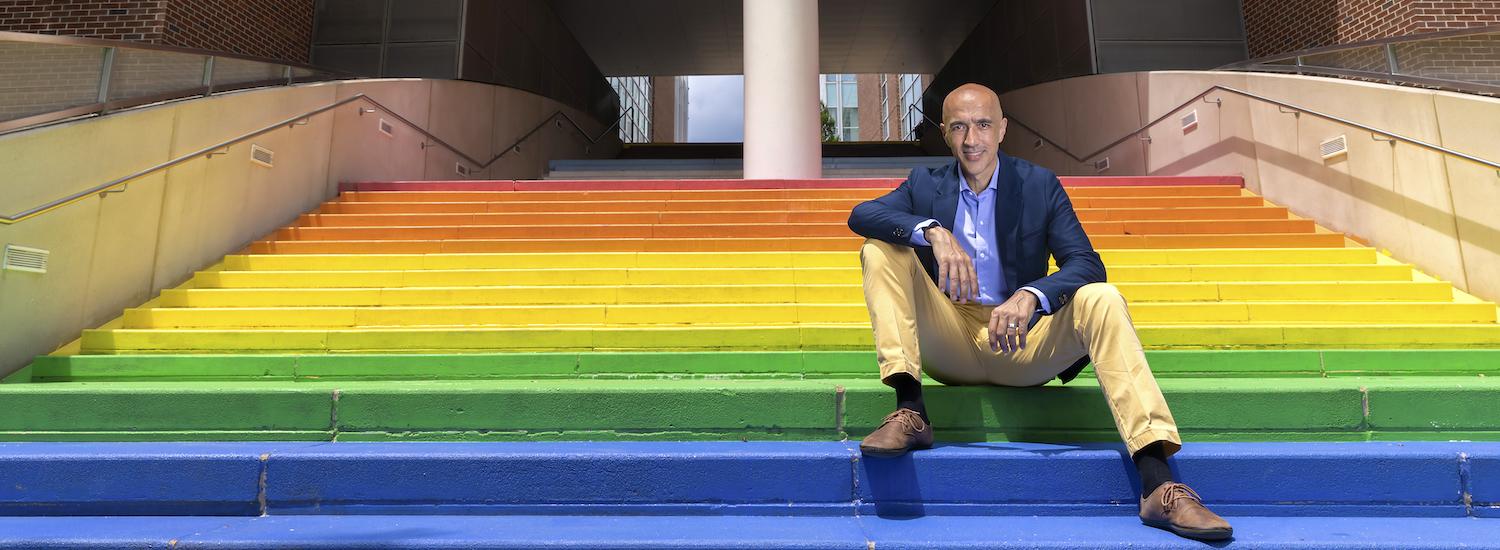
(1405, 479)
(1354, 408)
(721, 364)
(560, 241)
(738, 532)
(574, 215)
(786, 337)
(736, 313)
(707, 205)
(731, 196)
(690, 260)
(707, 292)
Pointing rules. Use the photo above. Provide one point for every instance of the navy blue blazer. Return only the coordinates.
(1033, 219)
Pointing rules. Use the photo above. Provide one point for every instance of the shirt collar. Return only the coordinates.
(967, 190)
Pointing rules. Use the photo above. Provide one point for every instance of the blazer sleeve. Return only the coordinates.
(889, 217)
(1077, 262)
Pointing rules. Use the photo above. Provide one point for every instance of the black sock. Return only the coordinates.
(1151, 462)
(908, 394)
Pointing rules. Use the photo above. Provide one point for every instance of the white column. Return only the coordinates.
(782, 129)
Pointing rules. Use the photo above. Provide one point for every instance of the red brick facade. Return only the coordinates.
(278, 29)
(137, 20)
(1279, 26)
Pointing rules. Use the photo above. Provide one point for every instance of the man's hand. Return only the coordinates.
(956, 276)
(1008, 322)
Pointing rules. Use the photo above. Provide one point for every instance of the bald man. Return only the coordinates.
(955, 277)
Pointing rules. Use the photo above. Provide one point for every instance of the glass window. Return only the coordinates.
(635, 105)
(840, 96)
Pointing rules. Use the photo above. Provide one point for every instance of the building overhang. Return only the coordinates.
(701, 37)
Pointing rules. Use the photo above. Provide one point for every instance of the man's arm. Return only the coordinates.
(889, 217)
(1077, 262)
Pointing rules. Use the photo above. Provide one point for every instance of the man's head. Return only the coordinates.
(973, 126)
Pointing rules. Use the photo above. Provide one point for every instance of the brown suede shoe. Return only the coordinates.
(1176, 508)
(901, 431)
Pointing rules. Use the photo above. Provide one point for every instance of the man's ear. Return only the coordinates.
(1004, 123)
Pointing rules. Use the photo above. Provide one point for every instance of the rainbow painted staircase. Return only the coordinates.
(687, 364)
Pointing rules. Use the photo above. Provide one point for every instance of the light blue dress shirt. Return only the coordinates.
(975, 219)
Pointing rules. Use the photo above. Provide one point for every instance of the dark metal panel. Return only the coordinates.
(349, 21)
(425, 20)
(422, 60)
(1115, 56)
(1167, 20)
(362, 59)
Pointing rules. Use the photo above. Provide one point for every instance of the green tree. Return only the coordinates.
(830, 127)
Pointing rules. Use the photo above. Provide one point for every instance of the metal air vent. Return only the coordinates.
(262, 156)
(1101, 164)
(1190, 121)
(1333, 147)
(387, 129)
(20, 258)
(460, 169)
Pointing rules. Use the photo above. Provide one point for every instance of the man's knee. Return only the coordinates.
(878, 252)
(1098, 293)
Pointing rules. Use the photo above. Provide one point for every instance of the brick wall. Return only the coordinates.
(139, 20)
(278, 29)
(41, 78)
(1279, 26)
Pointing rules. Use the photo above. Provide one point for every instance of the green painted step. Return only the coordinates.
(1207, 409)
(811, 364)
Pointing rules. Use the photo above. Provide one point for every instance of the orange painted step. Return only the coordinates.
(748, 194)
(1294, 240)
(1166, 202)
(600, 206)
(1189, 213)
(732, 206)
(808, 216)
(543, 229)
(850, 244)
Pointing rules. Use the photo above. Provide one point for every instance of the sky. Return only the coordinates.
(716, 108)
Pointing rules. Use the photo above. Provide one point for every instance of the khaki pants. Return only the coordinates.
(918, 328)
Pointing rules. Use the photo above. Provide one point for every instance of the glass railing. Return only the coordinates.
(45, 79)
(1466, 60)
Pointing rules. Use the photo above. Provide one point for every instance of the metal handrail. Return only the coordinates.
(208, 152)
(1392, 74)
(109, 48)
(1393, 40)
(7, 36)
(1217, 88)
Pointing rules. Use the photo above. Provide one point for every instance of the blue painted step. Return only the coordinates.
(733, 478)
(698, 532)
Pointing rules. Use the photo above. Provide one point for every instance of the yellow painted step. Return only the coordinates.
(853, 336)
(1408, 291)
(747, 276)
(773, 313)
(1118, 257)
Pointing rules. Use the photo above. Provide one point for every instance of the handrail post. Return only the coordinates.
(208, 75)
(106, 73)
(1390, 59)
(287, 72)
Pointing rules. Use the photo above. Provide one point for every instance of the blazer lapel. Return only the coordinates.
(1007, 219)
(945, 204)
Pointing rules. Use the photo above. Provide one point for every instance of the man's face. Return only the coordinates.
(973, 127)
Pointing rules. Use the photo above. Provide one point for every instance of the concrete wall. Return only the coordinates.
(1427, 208)
(119, 250)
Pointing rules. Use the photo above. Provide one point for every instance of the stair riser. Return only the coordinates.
(798, 479)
